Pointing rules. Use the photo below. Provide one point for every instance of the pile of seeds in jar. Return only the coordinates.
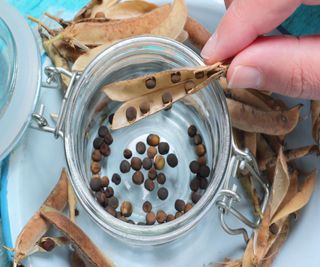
(145, 167)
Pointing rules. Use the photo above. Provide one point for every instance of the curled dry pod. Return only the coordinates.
(251, 119)
(315, 116)
(37, 226)
(198, 34)
(86, 249)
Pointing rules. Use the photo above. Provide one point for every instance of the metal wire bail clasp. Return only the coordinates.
(41, 123)
(228, 196)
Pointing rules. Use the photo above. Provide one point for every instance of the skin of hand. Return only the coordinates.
(284, 64)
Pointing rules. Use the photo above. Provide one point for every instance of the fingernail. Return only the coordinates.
(245, 77)
(210, 47)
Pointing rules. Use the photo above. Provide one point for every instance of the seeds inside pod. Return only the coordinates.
(127, 153)
(151, 152)
(95, 167)
(110, 118)
(188, 86)
(200, 150)
(159, 162)
(113, 202)
(161, 216)
(197, 139)
(194, 166)
(109, 192)
(203, 183)
(170, 218)
(105, 150)
(95, 184)
(97, 142)
(147, 206)
(147, 163)
(116, 179)
(96, 155)
(131, 114)
(274, 229)
(188, 207)
(103, 131)
(101, 198)
(138, 178)
(194, 184)
(111, 211)
(179, 205)
(202, 161)
(199, 75)
(152, 173)
(136, 163)
(178, 214)
(204, 171)
(144, 107)
(172, 160)
(150, 218)
(166, 97)
(104, 181)
(100, 15)
(141, 147)
(126, 209)
(211, 72)
(48, 244)
(124, 166)
(153, 140)
(195, 197)
(108, 139)
(163, 148)
(163, 193)
(161, 178)
(192, 130)
(176, 77)
(151, 83)
(149, 185)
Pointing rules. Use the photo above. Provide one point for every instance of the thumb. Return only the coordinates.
(282, 64)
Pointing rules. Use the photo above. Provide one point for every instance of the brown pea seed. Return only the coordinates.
(194, 184)
(172, 160)
(197, 139)
(97, 142)
(116, 179)
(274, 229)
(136, 163)
(188, 86)
(111, 211)
(147, 163)
(202, 161)
(127, 153)
(151, 152)
(101, 198)
(179, 205)
(200, 150)
(126, 209)
(204, 171)
(159, 162)
(151, 83)
(152, 173)
(203, 183)
(194, 166)
(124, 166)
(109, 192)
(95, 184)
(103, 131)
(176, 77)
(105, 150)
(108, 139)
(192, 130)
(104, 181)
(149, 185)
(163, 148)
(161, 178)
(48, 244)
(199, 75)
(95, 167)
(170, 218)
(96, 155)
(153, 140)
(141, 147)
(100, 15)
(113, 202)
(144, 107)
(163, 193)
(137, 178)
(147, 206)
(188, 207)
(195, 197)
(131, 114)
(161, 216)
(110, 118)
(178, 214)
(166, 98)
(150, 218)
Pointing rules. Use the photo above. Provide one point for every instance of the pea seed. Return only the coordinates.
(108, 139)
(122, 218)
(88, 13)
(96, 155)
(144, 107)
(149, 185)
(95, 184)
(179, 205)
(131, 114)
(103, 131)
(195, 197)
(161, 178)
(118, 214)
(124, 166)
(161, 216)
(48, 244)
(204, 171)
(151, 83)
(126, 209)
(101, 198)
(113, 202)
(192, 130)
(100, 15)
(137, 178)
(97, 142)
(147, 206)
(203, 183)
(172, 160)
(194, 184)
(141, 147)
(202, 161)
(127, 153)
(188, 86)
(199, 75)
(76, 212)
(194, 166)
(274, 229)
(104, 181)
(152, 173)
(170, 218)
(200, 150)
(150, 218)
(136, 163)
(111, 211)
(159, 162)
(163, 193)
(109, 192)
(116, 179)
(130, 221)
(188, 207)
(197, 139)
(176, 77)
(163, 148)
(151, 152)
(105, 150)
(178, 214)
(166, 98)
(153, 140)
(147, 163)
(110, 118)
(95, 167)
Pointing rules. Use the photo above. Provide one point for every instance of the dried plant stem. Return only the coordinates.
(51, 32)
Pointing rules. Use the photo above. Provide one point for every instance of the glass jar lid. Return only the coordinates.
(19, 77)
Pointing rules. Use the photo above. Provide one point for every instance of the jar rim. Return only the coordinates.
(156, 234)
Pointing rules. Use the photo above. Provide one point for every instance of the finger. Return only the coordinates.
(282, 64)
(243, 22)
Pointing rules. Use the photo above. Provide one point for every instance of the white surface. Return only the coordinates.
(35, 166)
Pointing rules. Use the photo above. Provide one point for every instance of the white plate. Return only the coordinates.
(34, 166)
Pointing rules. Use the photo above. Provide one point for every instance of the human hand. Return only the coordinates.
(284, 64)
